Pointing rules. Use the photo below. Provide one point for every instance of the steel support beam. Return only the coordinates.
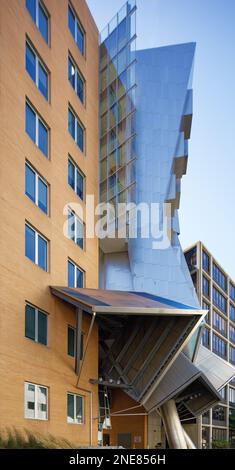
(172, 425)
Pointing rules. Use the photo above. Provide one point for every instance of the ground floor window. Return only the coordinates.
(75, 408)
(36, 401)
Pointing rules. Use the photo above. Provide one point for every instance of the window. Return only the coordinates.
(232, 333)
(219, 300)
(36, 129)
(223, 393)
(76, 30)
(219, 323)
(40, 17)
(205, 262)
(75, 275)
(76, 129)
(36, 188)
(206, 338)
(72, 342)
(76, 79)
(36, 401)
(36, 70)
(219, 434)
(232, 395)
(232, 313)
(35, 324)
(206, 286)
(36, 247)
(219, 277)
(205, 306)
(219, 346)
(76, 179)
(75, 229)
(75, 409)
(219, 416)
(232, 292)
(232, 354)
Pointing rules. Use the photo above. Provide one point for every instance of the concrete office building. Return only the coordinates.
(216, 293)
(95, 336)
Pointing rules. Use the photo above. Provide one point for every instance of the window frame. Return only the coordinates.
(76, 267)
(38, 61)
(37, 310)
(78, 25)
(38, 234)
(38, 119)
(36, 21)
(37, 177)
(77, 72)
(73, 328)
(36, 388)
(76, 221)
(76, 171)
(75, 138)
(75, 408)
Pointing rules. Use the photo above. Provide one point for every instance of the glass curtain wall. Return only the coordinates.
(117, 107)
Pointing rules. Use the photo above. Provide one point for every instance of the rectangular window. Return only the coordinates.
(232, 292)
(76, 129)
(206, 306)
(36, 129)
(205, 286)
(75, 275)
(219, 346)
(205, 262)
(232, 354)
(219, 277)
(76, 79)
(219, 323)
(232, 333)
(36, 324)
(232, 395)
(36, 188)
(40, 17)
(36, 247)
(36, 401)
(206, 338)
(75, 409)
(72, 342)
(76, 229)
(219, 300)
(232, 313)
(76, 179)
(219, 416)
(76, 30)
(37, 70)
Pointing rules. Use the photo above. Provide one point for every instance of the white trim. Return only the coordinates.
(76, 267)
(36, 401)
(75, 408)
(76, 172)
(37, 234)
(37, 177)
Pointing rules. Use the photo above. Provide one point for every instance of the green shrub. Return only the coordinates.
(15, 439)
(220, 444)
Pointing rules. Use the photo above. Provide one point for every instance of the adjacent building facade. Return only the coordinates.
(49, 153)
(216, 293)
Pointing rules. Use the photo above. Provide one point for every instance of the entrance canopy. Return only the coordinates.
(115, 302)
(141, 339)
(140, 335)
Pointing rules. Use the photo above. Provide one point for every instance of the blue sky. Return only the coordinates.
(207, 210)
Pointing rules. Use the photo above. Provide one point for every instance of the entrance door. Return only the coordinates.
(124, 440)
